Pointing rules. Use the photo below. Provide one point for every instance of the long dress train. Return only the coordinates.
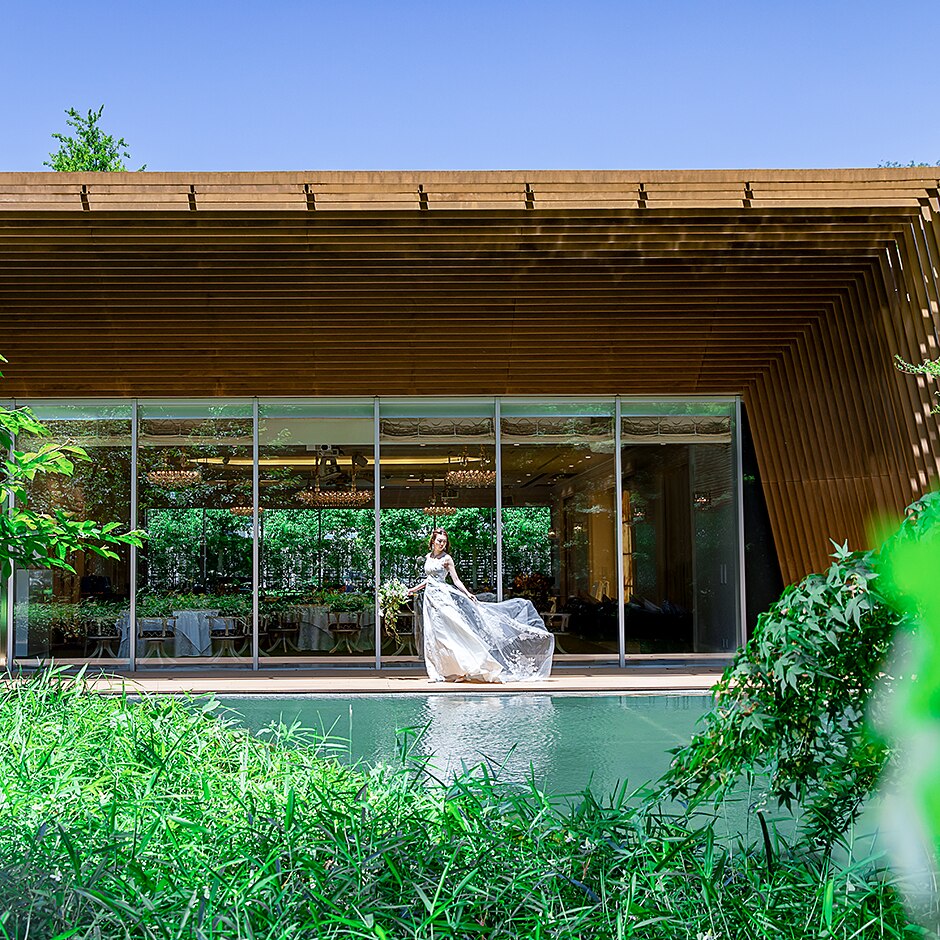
(478, 641)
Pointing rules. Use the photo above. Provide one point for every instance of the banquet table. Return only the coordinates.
(314, 633)
(192, 632)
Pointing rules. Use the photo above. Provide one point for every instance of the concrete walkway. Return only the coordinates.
(609, 680)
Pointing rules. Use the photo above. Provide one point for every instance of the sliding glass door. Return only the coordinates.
(79, 614)
(317, 531)
(195, 499)
(438, 469)
(680, 527)
(559, 491)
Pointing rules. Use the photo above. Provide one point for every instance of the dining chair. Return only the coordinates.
(230, 633)
(153, 633)
(282, 628)
(102, 638)
(344, 626)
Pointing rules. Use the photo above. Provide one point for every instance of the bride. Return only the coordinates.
(469, 641)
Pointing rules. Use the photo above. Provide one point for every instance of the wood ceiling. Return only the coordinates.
(793, 288)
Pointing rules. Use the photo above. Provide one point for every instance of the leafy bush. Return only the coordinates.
(40, 536)
(793, 703)
(163, 605)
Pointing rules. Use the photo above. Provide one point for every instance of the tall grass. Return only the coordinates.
(159, 819)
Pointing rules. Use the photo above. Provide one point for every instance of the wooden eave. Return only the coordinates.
(792, 288)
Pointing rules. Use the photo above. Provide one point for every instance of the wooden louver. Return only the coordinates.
(791, 288)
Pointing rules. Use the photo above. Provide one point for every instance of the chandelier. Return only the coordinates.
(243, 510)
(335, 499)
(174, 479)
(463, 474)
(438, 508)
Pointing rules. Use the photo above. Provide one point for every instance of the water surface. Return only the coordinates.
(564, 742)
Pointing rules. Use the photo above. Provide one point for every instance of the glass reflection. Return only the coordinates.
(194, 601)
(559, 520)
(679, 525)
(679, 528)
(317, 547)
(77, 616)
(513, 735)
(438, 466)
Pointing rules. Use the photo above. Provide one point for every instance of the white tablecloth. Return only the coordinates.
(192, 632)
(314, 633)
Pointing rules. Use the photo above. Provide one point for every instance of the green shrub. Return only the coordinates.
(792, 706)
(160, 819)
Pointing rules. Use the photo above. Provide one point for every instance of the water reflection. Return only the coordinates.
(564, 741)
(512, 735)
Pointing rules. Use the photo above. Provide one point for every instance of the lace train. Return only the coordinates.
(478, 641)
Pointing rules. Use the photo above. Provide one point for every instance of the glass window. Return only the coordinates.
(317, 529)
(679, 527)
(79, 615)
(559, 519)
(438, 469)
(194, 601)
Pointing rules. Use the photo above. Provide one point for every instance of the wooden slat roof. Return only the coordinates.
(793, 288)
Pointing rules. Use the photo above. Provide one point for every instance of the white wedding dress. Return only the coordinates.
(478, 641)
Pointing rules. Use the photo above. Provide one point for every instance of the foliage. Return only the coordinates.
(393, 595)
(343, 600)
(70, 623)
(792, 704)
(911, 720)
(73, 622)
(308, 549)
(30, 538)
(929, 368)
(163, 605)
(159, 819)
(90, 149)
(894, 164)
(197, 549)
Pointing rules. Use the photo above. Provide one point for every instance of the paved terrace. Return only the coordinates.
(600, 680)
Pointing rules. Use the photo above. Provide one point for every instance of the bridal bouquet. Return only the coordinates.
(393, 595)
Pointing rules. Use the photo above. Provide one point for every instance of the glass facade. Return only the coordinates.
(195, 499)
(438, 470)
(680, 513)
(80, 614)
(559, 488)
(272, 523)
(316, 530)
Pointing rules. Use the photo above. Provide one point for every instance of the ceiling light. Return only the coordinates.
(462, 474)
(335, 499)
(174, 479)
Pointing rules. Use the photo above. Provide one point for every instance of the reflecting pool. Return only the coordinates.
(564, 741)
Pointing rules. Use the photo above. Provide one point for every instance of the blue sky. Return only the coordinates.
(587, 84)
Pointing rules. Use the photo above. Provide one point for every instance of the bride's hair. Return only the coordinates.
(434, 534)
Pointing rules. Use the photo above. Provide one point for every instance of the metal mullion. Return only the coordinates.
(618, 512)
(739, 486)
(377, 490)
(10, 583)
(255, 553)
(499, 501)
(132, 611)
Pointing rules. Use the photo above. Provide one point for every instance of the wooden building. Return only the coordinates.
(791, 290)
